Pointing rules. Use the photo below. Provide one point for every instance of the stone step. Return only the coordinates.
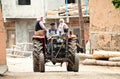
(3, 69)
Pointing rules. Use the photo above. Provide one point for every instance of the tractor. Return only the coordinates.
(62, 49)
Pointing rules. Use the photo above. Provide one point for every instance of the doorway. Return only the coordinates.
(11, 38)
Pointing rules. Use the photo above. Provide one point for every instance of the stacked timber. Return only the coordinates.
(100, 62)
(52, 13)
(104, 58)
(72, 10)
(85, 56)
(105, 54)
(114, 59)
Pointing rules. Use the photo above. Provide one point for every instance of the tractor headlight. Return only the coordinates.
(59, 40)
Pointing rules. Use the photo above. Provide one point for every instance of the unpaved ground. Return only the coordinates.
(21, 68)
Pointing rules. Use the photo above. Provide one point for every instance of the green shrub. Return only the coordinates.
(116, 3)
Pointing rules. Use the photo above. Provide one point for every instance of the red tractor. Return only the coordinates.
(62, 49)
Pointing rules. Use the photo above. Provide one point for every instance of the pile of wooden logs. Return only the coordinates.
(52, 14)
(72, 10)
(100, 62)
(102, 58)
(105, 54)
(85, 56)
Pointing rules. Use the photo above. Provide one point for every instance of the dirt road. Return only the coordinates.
(21, 68)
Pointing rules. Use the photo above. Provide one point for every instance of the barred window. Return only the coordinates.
(24, 2)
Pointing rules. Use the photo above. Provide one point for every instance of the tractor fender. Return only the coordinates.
(38, 37)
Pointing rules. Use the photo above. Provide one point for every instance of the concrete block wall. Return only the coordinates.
(37, 8)
(104, 25)
(11, 9)
(22, 28)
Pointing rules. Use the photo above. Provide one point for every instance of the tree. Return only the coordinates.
(116, 3)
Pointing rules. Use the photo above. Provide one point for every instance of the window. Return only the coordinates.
(70, 1)
(24, 2)
(77, 32)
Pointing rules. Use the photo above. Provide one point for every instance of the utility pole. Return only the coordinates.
(81, 25)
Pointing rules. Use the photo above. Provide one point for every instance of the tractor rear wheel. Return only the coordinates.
(76, 63)
(69, 67)
(41, 62)
(36, 52)
(35, 62)
(73, 63)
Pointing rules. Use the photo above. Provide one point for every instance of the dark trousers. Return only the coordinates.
(79, 49)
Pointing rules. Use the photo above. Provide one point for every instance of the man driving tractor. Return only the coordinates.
(51, 31)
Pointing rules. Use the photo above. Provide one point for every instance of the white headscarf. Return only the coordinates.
(62, 26)
(61, 20)
(38, 19)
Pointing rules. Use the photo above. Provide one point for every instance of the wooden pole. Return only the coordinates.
(84, 56)
(100, 62)
(81, 25)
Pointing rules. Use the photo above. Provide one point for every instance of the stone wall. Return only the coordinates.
(104, 25)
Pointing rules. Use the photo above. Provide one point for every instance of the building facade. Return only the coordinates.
(104, 25)
(20, 18)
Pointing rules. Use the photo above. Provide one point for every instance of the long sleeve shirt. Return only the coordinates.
(49, 31)
(42, 25)
(61, 27)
